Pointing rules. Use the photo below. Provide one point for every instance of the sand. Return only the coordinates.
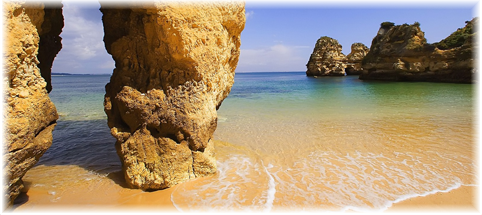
(97, 194)
(462, 201)
(38, 201)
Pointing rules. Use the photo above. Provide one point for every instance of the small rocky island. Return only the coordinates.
(401, 53)
(328, 60)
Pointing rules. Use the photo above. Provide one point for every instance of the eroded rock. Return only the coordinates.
(401, 53)
(30, 115)
(354, 59)
(175, 65)
(326, 59)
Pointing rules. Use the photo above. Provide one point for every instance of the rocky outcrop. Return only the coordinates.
(401, 53)
(326, 59)
(175, 65)
(50, 41)
(30, 116)
(354, 59)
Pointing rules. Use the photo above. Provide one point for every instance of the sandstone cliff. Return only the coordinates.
(326, 59)
(401, 53)
(175, 65)
(354, 59)
(29, 114)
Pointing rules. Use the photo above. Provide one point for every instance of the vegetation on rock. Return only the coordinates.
(387, 24)
(401, 53)
(458, 38)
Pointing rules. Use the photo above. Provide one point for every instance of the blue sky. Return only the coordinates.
(277, 37)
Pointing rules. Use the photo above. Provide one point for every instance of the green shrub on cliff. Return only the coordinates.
(457, 38)
(387, 24)
(454, 40)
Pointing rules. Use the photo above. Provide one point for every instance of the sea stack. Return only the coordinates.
(175, 65)
(32, 38)
(326, 59)
(401, 53)
(354, 59)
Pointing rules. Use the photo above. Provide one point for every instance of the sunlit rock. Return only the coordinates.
(401, 53)
(175, 65)
(30, 116)
(354, 59)
(326, 59)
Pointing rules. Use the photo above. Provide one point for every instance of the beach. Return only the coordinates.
(284, 142)
(458, 200)
(463, 199)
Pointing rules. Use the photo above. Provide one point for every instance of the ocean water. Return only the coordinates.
(284, 142)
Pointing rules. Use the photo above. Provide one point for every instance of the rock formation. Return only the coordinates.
(401, 53)
(175, 64)
(326, 59)
(50, 41)
(354, 59)
(30, 116)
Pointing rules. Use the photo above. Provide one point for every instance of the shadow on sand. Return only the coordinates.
(87, 144)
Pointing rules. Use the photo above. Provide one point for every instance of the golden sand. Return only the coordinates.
(419, 160)
(38, 200)
(462, 201)
(100, 193)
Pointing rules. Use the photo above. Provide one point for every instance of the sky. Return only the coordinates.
(277, 37)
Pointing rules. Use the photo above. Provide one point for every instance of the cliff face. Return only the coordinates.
(326, 59)
(30, 115)
(50, 41)
(354, 59)
(175, 65)
(401, 53)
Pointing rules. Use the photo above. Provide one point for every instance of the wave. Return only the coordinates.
(400, 199)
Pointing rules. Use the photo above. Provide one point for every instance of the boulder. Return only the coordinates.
(175, 65)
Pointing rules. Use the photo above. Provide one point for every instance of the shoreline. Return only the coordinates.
(461, 199)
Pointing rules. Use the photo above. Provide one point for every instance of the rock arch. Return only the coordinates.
(174, 66)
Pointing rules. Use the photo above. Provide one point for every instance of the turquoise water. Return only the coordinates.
(299, 143)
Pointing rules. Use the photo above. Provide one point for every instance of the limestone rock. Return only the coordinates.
(401, 53)
(50, 41)
(30, 116)
(175, 65)
(354, 59)
(326, 59)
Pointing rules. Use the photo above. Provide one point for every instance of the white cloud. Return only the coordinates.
(107, 65)
(83, 39)
(83, 48)
(249, 14)
(278, 57)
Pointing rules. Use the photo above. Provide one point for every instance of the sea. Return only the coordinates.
(284, 142)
